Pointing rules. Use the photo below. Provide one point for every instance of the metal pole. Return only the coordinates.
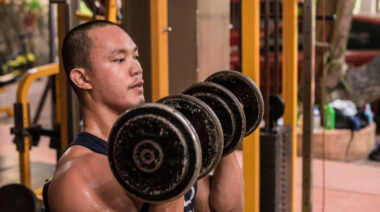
(250, 42)
(290, 77)
(61, 81)
(276, 46)
(111, 10)
(308, 101)
(159, 48)
(266, 66)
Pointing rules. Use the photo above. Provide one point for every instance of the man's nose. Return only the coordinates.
(136, 69)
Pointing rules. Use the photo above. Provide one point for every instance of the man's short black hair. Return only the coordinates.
(77, 45)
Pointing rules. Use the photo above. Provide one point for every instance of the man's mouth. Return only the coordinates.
(139, 83)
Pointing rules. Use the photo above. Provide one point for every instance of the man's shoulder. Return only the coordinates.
(73, 160)
(72, 168)
(73, 179)
(83, 180)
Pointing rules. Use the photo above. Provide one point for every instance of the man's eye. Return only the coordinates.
(119, 60)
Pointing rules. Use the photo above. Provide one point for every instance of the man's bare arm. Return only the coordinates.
(225, 190)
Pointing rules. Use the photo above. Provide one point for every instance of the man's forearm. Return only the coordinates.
(227, 185)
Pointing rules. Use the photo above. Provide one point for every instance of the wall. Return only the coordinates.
(199, 41)
(213, 37)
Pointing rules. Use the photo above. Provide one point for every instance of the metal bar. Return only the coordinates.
(308, 101)
(318, 17)
(53, 47)
(38, 193)
(53, 107)
(30, 76)
(250, 42)
(266, 66)
(61, 81)
(58, 1)
(41, 103)
(290, 78)
(111, 10)
(276, 47)
(124, 14)
(84, 17)
(22, 97)
(6, 109)
(159, 48)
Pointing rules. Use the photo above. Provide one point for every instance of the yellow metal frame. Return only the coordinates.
(290, 78)
(22, 97)
(38, 193)
(250, 10)
(111, 10)
(84, 17)
(159, 48)
(110, 13)
(6, 109)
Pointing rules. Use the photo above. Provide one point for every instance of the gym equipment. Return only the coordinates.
(227, 107)
(206, 125)
(277, 109)
(246, 92)
(158, 150)
(276, 169)
(142, 160)
(18, 198)
(23, 130)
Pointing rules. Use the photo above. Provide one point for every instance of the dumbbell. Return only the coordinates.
(155, 150)
(171, 144)
(17, 197)
(237, 102)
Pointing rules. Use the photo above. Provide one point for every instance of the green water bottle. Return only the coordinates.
(329, 117)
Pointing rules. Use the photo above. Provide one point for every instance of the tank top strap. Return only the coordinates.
(91, 142)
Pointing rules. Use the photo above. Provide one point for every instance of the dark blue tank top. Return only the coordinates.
(98, 145)
(91, 142)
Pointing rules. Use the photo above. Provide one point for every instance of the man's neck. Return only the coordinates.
(98, 121)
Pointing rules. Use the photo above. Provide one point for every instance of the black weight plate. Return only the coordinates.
(277, 108)
(18, 198)
(154, 153)
(226, 107)
(205, 123)
(246, 92)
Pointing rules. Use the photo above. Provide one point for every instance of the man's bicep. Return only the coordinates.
(202, 201)
(74, 197)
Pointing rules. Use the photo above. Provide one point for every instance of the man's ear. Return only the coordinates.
(80, 78)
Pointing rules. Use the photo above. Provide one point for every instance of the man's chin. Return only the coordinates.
(142, 101)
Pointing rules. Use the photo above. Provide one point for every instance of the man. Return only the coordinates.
(101, 62)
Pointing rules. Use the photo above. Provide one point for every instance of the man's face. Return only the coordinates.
(116, 74)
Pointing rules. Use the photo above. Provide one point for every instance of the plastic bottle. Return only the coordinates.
(317, 118)
(368, 113)
(329, 117)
